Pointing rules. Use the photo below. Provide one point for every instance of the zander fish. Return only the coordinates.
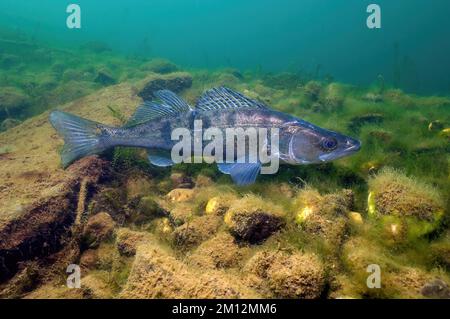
(151, 126)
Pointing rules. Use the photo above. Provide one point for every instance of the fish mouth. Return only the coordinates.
(351, 146)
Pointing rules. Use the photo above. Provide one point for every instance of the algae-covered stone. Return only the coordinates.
(175, 82)
(252, 219)
(312, 90)
(324, 216)
(157, 274)
(9, 124)
(218, 205)
(288, 275)
(12, 100)
(221, 251)
(436, 289)
(405, 207)
(147, 210)
(181, 213)
(127, 241)
(98, 228)
(96, 286)
(138, 186)
(181, 195)
(180, 180)
(196, 231)
(161, 66)
(397, 194)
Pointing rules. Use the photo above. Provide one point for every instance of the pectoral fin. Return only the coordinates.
(241, 173)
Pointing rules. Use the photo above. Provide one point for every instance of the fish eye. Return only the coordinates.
(329, 144)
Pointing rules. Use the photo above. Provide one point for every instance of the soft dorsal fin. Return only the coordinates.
(224, 98)
(171, 106)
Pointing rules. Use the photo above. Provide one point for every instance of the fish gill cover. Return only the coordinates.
(360, 93)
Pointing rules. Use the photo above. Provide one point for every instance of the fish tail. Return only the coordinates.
(81, 137)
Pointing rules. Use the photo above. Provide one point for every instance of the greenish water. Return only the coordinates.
(410, 50)
(389, 88)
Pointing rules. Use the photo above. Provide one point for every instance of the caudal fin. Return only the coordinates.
(82, 137)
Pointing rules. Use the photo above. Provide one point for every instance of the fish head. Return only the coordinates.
(309, 144)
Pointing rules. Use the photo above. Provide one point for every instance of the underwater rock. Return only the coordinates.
(180, 180)
(355, 218)
(439, 253)
(175, 82)
(361, 120)
(437, 289)
(9, 124)
(324, 217)
(155, 273)
(397, 280)
(147, 210)
(373, 97)
(9, 60)
(312, 90)
(219, 252)
(286, 275)
(219, 205)
(332, 97)
(110, 200)
(95, 286)
(395, 193)
(104, 78)
(127, 241)
(89, 259)
(137, 186)
(282, 81)
(12, 100)
(23, 282)
(161, 66)
(72, 75)
(98, 228)
(163, 227)
(181, 213)
(179, 195)
(445, 133)
(196, 231)
(252, 219)
(404, 208)
(96, 47)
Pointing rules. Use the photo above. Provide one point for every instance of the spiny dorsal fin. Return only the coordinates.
(171, 106)
(172, 100)
(224, 98)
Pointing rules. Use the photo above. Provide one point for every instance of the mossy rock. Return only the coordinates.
(161, 66)
(393, 193)
(312, 90)
(286, 275)
(98, 228)
(156, 273)
(12, 100)
(147, 210)
(196, 231)
(219, 252)
(127, 241)
(175, 82)
(253, 220)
